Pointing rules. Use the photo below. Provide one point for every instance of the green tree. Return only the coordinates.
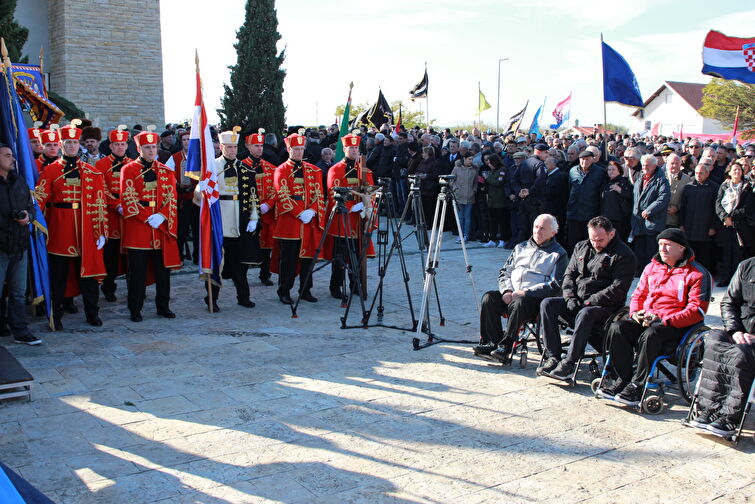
(14, 34)
(409, 118)
(617, 128)
(254, 98)
(721, 99)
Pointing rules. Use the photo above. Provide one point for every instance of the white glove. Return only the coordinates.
(120, 209)
(100, 242)
(264, 208)
(358, 207)
(306, 215)
(155, 220)
(251, 226)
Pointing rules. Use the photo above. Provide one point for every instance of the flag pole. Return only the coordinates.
(568, 117)
(210, 302)
(427, 100)
(605, 121)
(539, 119)
(478, 103)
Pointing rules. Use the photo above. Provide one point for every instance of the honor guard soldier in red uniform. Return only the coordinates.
(50, 148)
(238, 211)
(75, 202)
(264, 173)
(150, 223)
(110, 167)
(188, 213)
(348, 172)
(300, 219)
(35, 140)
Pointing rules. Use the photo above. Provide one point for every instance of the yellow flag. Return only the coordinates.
(484, 105)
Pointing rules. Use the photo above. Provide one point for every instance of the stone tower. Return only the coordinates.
(103, 55)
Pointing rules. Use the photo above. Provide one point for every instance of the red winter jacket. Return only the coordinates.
(678, 295)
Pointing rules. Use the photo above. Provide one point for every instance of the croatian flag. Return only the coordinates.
(200, 164)
(729, 58)
(561, 112)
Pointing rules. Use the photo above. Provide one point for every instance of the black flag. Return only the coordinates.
(380, 113)
(420, 90)
(516, 120)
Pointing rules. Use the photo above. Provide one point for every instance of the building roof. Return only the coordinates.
(690, 92)
(587, 131)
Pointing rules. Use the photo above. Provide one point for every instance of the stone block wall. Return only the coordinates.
(106, 57)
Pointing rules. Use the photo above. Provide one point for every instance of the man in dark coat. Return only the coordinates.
(528, 184)
(585, 184)
(729, 359)
(595, 285)
(697, 214)
(556, 195)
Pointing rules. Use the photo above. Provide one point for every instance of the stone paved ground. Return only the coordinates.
(254, 406)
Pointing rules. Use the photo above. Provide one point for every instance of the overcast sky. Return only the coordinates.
(553, 48)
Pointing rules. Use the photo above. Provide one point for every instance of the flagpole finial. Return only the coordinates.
(351, 85)
(196, 59)
(4, 52)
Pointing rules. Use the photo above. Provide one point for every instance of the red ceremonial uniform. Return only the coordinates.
(298, 187)
(347, 173)
(72, 194)
(148, 189)
(110, 167)
(264, 175)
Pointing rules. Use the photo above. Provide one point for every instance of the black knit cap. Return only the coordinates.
(675, 235)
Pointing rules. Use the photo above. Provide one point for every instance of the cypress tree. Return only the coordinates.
(254, 98)
(14, 34)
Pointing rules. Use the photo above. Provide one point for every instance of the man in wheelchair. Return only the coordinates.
(533, 271)
(729, 359)
(672, 295)
(596, 283)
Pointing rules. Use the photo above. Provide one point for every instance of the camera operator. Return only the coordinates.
(16, 209)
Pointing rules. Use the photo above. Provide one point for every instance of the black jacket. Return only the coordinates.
(617, 206)
(14, 196)
(385, 164)
(530, 175)
(556, 193)
(600, 278)
(584, 193)
(738, 304)
(445, 165)
(697, 210)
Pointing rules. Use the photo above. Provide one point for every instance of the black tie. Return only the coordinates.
(230, 168)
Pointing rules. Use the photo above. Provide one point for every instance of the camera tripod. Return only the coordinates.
(339, 214)
(383, 201)
(445, 196)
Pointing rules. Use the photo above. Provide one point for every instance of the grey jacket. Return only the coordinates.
(654, 198)
(537, 270)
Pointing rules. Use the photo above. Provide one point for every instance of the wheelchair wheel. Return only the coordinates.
(523, 358)
(595, 384)
(690, 362)
(594, 369)
(652, 404)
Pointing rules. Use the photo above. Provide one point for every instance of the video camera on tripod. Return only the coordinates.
(341, 194)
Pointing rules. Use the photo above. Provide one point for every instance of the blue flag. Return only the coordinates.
(13, 133)
(619, 84)
(535, 126)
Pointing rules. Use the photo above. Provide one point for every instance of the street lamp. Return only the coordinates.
(498, 101)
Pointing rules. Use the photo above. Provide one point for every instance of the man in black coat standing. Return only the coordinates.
(697, 215)
(556, 195)
(528, 184)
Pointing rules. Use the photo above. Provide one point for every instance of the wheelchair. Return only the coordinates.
(597, 341)
(686, 357)
(527, 332)
(747, 409)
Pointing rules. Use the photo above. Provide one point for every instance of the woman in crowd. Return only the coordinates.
(427, 170)
(465, 187)
(735, 209)
(616, 199)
